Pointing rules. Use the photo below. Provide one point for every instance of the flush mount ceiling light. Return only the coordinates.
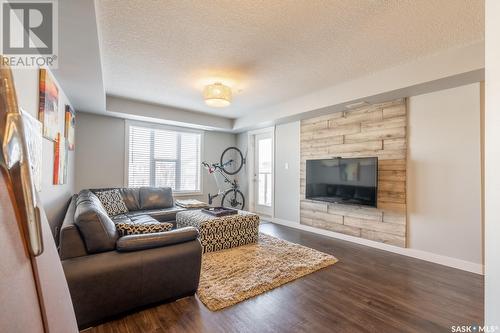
(217, 95)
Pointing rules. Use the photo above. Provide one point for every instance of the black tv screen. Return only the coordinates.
(343, 180)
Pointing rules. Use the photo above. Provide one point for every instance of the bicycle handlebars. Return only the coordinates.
(216, 165)
(210, 168)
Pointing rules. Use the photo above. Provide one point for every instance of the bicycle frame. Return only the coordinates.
(218, 168)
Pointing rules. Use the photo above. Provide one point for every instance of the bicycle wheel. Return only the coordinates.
(233, 199)
(231, 160)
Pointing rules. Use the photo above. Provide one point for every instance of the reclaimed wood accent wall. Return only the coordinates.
(377, 130)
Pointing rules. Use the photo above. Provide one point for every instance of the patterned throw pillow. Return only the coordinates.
(112, 201)
(142, 225)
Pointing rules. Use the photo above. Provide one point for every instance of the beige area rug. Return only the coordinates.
(234, 275)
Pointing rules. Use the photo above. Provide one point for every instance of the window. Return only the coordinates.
(160, 156)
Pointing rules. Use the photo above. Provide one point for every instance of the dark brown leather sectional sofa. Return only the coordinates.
(107, 274)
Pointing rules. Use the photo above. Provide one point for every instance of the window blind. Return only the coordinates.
(164, 157)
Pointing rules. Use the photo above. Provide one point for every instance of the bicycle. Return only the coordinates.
(232, 197)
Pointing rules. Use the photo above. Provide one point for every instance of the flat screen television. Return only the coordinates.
(343, 180)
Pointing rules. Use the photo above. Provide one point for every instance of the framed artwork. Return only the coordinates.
(69, 127)
(33, 133)
(48, 112)
(60, 160)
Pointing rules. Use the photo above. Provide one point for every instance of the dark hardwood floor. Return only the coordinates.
(368, 290)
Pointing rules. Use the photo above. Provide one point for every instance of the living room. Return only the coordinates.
(242, 166)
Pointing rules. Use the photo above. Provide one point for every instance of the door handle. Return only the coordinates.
(14, 159)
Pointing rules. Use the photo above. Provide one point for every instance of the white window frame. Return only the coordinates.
(129, 123)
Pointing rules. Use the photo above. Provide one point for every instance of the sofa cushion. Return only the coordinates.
(155, 197)
(97, 228)
(112, 201)
(142, 224)
(130, 196)
(162, 215)
(149, 241)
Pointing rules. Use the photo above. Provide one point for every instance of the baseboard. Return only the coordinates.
(414, 253)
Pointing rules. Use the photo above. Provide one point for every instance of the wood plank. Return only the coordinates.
(351, 118)
(392, 175)
(391, 217)
(384, 124)
(325, 217)
(348, 230)
(391, 207)
(383, 237)
(306, 136)
(381, 154)
(381, 134)
(353, 147)
(395, 197)
(326, 117)
(314, 206)
(392, 186)
(314, 127)
(317, 152)
(334, 140)
(364, 109)
(394, 111)
(395, 144)
(395, 102)
(325, 134)
(356, 211)
(371, 153)
(390, 228)
(344, 129)
(390, 155)
(386, 165)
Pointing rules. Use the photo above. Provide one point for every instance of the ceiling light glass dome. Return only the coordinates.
(217, 95)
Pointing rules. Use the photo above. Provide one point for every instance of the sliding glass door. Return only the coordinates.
(263, 175)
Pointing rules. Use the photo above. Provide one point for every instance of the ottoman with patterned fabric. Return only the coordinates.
(218, 233)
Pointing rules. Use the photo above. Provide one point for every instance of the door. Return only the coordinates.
(17, 282)
(33, 289)
(263, 175)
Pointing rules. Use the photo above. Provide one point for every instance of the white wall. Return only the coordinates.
(100, 160)
(492, 165)
(287, 173)
(213, 145)
(55, 198)
(444, 173)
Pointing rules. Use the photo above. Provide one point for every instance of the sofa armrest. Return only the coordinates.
(110, 283)
(148, 241)
(71, 243)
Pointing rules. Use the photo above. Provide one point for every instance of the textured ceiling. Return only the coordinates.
(268, 51)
